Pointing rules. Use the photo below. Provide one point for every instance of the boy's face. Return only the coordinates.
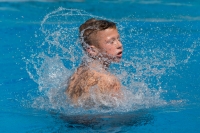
(109, 44)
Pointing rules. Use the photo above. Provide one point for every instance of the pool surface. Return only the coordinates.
(39, 50)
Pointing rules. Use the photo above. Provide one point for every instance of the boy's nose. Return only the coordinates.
(119, 45)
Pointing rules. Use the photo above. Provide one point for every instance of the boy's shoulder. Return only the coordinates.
(103, 75)
(106, 79)
(93, 75)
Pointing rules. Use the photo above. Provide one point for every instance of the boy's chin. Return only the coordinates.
(110, 59)
(116, 59)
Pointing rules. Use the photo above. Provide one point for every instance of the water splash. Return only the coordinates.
(145, 61)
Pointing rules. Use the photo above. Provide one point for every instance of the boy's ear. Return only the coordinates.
(92, 50)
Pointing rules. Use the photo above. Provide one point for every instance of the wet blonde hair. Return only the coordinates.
(88, 29)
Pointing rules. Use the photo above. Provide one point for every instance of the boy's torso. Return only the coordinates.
(86, 81)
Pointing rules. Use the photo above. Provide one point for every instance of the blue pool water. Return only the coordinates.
(159, 70)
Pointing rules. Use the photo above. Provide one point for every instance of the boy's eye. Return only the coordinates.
(111, 41)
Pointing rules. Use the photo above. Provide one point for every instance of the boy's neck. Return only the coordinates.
(97, 64)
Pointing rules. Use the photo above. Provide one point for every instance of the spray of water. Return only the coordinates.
(60, 54)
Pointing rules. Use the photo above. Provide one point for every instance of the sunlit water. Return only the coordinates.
(160, 59)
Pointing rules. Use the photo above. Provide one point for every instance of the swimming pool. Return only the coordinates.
(160, 66)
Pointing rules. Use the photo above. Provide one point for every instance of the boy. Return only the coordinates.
(92, 85)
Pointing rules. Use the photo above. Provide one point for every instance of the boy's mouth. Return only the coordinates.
(119, 54)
